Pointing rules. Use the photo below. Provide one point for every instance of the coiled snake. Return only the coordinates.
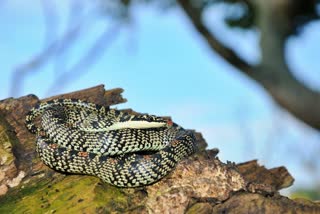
(121, 149)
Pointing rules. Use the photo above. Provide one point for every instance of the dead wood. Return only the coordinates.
(200, 184)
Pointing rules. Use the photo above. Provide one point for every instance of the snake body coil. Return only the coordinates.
(122, 149)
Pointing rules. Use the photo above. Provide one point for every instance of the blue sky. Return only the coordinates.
(167, 69)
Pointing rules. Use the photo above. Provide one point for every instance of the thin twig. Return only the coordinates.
(51, 20)
(75, 13)
(92, 55)
(32, 66)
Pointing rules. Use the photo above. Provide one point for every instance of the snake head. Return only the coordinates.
(163, 122)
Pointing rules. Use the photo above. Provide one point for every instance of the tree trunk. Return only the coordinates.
(199, 184)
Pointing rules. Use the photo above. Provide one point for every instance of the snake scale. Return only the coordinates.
(124, 150)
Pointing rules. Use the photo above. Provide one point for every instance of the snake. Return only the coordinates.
(120, 148)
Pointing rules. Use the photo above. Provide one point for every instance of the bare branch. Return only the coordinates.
(93, 54)
(76, 9)
(32, 66)
(50, 19)
(272, 73)
(228, 54)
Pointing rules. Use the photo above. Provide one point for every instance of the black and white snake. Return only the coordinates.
(122, 149)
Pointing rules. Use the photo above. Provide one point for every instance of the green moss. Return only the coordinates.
(73, 194)
(11, 201)
(200, 208)
(6, 156)
(107, 197)
(310, 194)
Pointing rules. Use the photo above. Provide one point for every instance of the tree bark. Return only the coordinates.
(201, 183)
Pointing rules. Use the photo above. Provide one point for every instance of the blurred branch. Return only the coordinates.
(32, 66)
(195, 13)
(81, 67)
(274, 21)
(75, 10)
(50, 19)
(59, 47)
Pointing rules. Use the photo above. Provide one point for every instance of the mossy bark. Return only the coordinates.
(200, 184)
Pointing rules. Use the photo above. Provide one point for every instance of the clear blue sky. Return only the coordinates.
(167, 69)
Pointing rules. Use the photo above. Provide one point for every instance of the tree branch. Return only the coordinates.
(226, 53)
(98, 48)
(31, 66)
(201, 182)
(274, 21)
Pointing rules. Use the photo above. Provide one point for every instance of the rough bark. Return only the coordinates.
(200, 184)
(275, 20)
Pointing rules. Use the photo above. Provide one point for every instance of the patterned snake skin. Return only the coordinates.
(121, 149)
